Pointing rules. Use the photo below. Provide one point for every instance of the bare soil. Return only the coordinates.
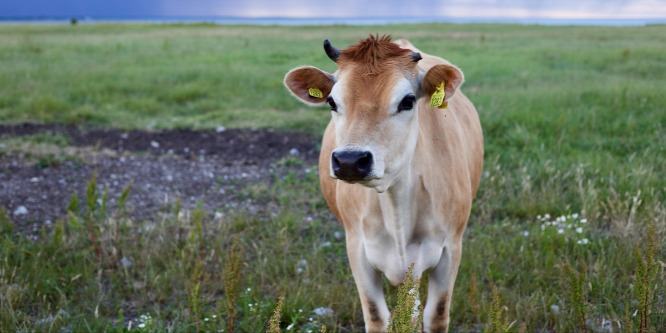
(207, 166)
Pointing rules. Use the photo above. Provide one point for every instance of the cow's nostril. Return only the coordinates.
(365, 162)
(335, 162)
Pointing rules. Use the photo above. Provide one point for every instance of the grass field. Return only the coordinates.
(575, 171)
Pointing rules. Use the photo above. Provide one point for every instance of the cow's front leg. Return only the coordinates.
(440, 288)
(369, 285)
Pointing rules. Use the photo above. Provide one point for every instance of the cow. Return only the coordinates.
(399, 167)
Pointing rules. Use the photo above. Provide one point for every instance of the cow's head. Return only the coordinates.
(374, 97)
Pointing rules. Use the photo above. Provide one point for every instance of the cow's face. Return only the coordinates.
(373, 98)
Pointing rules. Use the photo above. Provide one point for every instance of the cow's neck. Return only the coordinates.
(397, 211)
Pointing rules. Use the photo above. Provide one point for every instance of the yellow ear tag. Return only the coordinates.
(314, 92)
(437, 99)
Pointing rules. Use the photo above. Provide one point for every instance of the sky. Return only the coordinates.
(552, 9)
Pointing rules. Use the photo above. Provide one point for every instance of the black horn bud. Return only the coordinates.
(331, 51)
(415, 56)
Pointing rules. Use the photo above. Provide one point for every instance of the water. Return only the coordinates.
(281, 21)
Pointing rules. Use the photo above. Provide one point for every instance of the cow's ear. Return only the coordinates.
(449, 74)
(309, 84)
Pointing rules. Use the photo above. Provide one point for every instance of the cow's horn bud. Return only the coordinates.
(331, 51)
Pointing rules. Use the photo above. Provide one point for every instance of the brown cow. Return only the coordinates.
(400, 175)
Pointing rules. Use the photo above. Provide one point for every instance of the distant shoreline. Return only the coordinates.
(281, 21)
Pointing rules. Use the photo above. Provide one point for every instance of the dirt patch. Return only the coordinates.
(207, 166)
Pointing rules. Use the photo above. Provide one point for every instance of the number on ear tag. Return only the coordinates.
(314, 92)
(438, 96)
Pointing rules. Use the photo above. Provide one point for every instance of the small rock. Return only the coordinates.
(155, 144)
(293, 151)
(20, 210)
(326, 244)
(126, 263)
(220, 129)
(34, 179)
(338, 235)
(169, 178)
(124, 135)
(555, 308)
(323, 311)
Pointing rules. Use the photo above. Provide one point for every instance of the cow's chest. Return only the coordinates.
(392, 250)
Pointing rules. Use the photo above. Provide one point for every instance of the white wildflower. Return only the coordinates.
(560, 231)
(579, 230)
(290, 327)
(525, 233)
(583, 220)
(574, 215)
(142, 325)
(583, 241)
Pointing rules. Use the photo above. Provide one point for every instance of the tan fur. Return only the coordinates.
(422, 215)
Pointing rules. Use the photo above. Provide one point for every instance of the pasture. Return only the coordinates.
(568, 224)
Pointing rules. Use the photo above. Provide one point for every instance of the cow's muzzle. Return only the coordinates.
(351, 165)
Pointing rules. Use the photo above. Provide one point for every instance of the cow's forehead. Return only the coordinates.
(357, 90)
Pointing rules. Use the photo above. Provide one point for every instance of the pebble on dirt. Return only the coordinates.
(20, 210)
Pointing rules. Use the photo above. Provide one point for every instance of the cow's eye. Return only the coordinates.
(407, 103)
(331, 102)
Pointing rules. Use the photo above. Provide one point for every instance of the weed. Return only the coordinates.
(274, 322)
(472, 298)
(497, 322)
(645, 274)
(194, 293)
(575, 290)
(91, 200)
(407, 315)
(232, 271)
(6, 225)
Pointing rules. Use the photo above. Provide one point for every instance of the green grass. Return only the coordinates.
(573, 119)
